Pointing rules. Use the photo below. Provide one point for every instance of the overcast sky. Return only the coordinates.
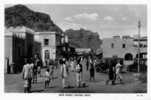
(107, 20)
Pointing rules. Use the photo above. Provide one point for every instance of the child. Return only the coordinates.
(47, 78)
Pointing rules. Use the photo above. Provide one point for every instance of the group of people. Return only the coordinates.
(73, 66)
(31, 69)
(71, 71)
(114, 71)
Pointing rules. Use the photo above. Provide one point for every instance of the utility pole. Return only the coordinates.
(138, 60)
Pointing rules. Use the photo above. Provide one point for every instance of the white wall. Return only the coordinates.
(118, 47)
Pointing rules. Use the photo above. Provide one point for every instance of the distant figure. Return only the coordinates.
(8, 66)
(52, 68)
(87, 64)
(111, 71)
(114, 62)
(47, 78)
(64, 73)
(92, 69)
(27, 75)
(35, 68)
(72, 65)
(39, 65)
(78, 73)
(118, 72)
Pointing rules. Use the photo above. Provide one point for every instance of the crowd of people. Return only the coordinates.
(73, 66)
(76, 66)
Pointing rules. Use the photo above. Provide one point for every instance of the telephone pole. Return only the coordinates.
(138, 60)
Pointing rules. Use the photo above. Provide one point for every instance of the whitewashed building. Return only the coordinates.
(49, 41)
(124, 47)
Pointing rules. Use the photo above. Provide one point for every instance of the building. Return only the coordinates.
(143, 46)
(124, 47)
(19, 44)
(49, 42)
(23, 42)
(82, 50)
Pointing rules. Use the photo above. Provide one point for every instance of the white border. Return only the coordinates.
(51, 96)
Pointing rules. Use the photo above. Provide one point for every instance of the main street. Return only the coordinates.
(14, 83)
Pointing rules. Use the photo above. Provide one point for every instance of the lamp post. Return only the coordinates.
(138, 60)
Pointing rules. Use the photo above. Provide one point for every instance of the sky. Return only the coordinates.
(107, 20)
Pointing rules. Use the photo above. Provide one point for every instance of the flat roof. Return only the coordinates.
(19, 29)
(45, 32)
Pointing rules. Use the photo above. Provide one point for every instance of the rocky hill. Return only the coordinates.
(83, 38)
(20, 15)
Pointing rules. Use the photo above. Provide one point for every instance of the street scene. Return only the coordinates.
(75, 48)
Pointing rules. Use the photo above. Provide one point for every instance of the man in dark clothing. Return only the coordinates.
(114, 62)
(92, 70)
(111, 72)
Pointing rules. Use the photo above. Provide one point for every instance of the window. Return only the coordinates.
(46, 41)
(123, 46)
(112, 45)
(145, 45)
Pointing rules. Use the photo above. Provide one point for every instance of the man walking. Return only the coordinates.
(118, 74)
(78, 73)
(111, 71)
(64, 73)
(27, 75)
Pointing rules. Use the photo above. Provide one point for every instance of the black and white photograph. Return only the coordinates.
(75, 48)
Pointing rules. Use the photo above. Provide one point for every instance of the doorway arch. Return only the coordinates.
(128, 56)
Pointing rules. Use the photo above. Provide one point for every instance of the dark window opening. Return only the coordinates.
(112, 45)
(123, 46)
(46, 41)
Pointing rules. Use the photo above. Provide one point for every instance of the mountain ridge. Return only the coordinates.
(20, 15)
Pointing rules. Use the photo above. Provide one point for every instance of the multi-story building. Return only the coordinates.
(49, 42)
(22, 42)
(125, 48)
(19, 44)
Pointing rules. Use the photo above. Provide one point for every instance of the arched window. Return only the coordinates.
(128, 56)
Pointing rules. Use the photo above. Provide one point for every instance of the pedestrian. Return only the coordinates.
(92, 70)
(39, 65)
(78, 73)
(118, 72)
(87, 64)
(64, 73)
(35, 68)
(27, 75)
(52, 68)
(114, 62)
(47, 78)
(72, 65)
(110, 64)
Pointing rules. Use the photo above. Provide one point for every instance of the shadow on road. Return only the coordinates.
(36, 91)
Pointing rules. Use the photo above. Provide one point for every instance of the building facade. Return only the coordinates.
(19, 44)
(49, 42)
(124, 47)
(23, 42)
